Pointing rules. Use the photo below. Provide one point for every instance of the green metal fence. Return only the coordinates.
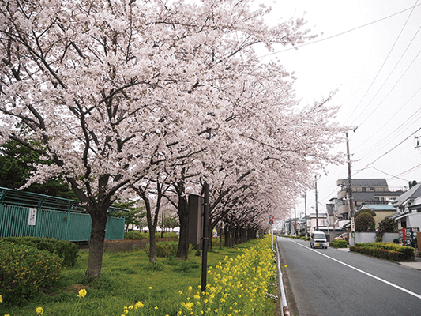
(29, 214)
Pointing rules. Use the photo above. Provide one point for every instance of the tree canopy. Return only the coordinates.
(364, 222)
(125, 95)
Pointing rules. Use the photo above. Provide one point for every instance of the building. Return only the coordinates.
(408, 209)
(382, 211)
(364, 192)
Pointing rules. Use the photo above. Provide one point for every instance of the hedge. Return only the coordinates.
(139, 235)
(64, 249)
(164, 249)
(24, 270)
(339, 243)
(388, 251)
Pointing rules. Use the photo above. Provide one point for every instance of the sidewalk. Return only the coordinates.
(410, 264)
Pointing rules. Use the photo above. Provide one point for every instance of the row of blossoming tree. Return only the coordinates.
(129, 97)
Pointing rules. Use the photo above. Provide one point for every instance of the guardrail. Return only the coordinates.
(284, 305)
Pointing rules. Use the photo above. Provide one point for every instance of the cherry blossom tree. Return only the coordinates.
(115, 91)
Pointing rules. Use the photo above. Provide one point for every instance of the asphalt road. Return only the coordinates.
(331, 282)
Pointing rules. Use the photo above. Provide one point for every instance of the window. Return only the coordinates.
(371, 188)
(364, 189)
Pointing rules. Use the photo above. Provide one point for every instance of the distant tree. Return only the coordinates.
(133, 215)
(364, 222)
(17, 162)
(386, 226)
(169, 222)
(412, 183)
(365, 210)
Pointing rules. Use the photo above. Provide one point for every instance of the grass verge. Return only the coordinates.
(127, 278)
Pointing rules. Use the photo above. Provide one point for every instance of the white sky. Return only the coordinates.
(386, 109)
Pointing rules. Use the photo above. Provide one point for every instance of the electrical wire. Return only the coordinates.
(340, 34)
(384, 62)
(387, 152)
(394, 86)
(387, 137)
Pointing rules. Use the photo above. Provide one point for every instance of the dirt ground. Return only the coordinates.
(126, 244)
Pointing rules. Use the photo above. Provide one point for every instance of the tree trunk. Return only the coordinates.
(96, 243)
(152, 244)
(183, 217)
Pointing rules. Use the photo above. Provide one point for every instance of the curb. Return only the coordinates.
(284, 305)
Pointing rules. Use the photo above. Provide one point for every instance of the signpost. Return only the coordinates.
(271, 228)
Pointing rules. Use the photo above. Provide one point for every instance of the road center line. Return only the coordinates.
(361, 271)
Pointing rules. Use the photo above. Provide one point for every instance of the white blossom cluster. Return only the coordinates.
(121, 92)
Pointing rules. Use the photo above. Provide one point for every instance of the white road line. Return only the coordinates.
(361, 271)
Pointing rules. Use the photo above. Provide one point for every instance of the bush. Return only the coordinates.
(364, 222)
(64, 249)
(164, 249)
(216, 241)
(136, 235)
(139, 235)
(388, 251)
(339, 243)
(24, 270)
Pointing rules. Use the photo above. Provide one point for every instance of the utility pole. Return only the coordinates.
(305, 214)
(350, 198)
(317, 202)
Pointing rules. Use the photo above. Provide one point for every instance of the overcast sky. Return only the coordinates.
(370, 51)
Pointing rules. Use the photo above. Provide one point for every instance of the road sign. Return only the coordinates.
(270, 217)
(270, 221)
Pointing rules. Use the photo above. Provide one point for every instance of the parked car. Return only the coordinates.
(318, 239)
(344, 236)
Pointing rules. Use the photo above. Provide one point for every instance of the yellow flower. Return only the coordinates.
(156, 307)
(131, 307)
(1, 298)
(150, 288)
(139, 304)
(40, 310)
(82, 293)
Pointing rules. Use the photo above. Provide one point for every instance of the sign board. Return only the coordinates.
(353, 224)
(196, 209)
(32, 217)
(270, 222)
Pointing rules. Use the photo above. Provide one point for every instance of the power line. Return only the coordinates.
(384, 62)
(340, 34)
(387, 152)
(406, 122)
(394, 86)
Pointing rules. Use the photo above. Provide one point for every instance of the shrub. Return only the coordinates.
(216, 241)
(64, 249)
(389, 251)
(24, 270)
(364, 222)
(139, 235)
(136, 235)
(164, 249)
(339, 243)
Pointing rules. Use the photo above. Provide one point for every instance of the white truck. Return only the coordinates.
(318, 239)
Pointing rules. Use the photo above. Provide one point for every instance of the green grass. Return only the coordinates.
(127, 277)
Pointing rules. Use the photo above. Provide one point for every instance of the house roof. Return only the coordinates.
(411, 194)
(375, 208)
(367, 182)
